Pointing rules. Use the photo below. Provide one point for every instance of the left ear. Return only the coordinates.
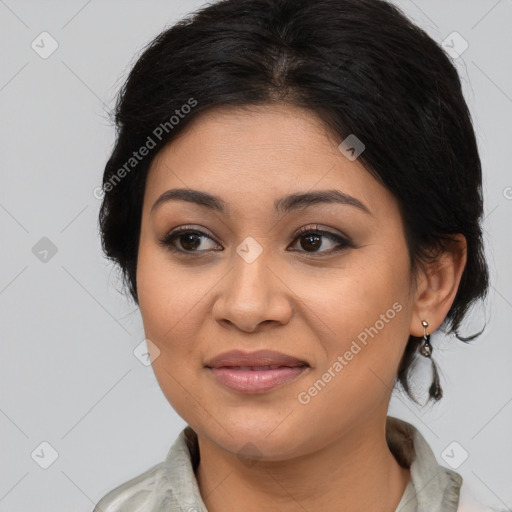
(438, 285)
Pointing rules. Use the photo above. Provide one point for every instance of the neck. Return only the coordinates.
(357, 472)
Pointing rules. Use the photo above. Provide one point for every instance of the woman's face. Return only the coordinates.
(241, 278)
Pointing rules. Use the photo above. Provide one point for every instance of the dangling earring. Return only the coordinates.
(425, 350)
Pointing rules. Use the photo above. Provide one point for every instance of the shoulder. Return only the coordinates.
(168, 486)
(137, 493)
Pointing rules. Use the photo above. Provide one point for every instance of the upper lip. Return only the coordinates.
(257, 358)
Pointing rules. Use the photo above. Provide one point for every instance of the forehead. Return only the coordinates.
(265, 134)
(259, 153)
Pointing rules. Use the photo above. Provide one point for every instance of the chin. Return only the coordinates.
(257, 438)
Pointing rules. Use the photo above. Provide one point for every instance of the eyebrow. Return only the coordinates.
(286, 204)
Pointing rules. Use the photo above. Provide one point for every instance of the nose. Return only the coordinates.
(252, 296)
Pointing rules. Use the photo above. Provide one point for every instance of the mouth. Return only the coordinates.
(255, 372)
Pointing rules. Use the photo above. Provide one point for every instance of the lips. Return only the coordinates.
(255, 372)
(262, 359)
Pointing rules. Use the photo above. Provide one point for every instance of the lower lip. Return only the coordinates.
(256, 381)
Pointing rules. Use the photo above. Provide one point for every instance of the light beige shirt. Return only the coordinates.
(171, 486)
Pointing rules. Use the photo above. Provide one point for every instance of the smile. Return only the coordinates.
(256, 379)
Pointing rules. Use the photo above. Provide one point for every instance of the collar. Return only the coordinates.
(432, 487)
(171, 486)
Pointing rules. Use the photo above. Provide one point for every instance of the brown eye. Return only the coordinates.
(185, 240)
(311, 240)
(190, 241)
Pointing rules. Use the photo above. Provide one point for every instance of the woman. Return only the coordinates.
(294, 199)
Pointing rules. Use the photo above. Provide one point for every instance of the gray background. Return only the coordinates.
(68, 374)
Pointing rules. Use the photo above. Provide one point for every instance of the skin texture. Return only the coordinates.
(330, 453)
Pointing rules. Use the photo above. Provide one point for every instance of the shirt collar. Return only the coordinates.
(171, 486)
(432, 487)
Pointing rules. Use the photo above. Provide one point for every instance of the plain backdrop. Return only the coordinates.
(74, 396)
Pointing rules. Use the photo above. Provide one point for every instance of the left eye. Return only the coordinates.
(190, 240)
(313, 240)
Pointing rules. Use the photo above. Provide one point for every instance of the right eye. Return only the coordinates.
(189, 240)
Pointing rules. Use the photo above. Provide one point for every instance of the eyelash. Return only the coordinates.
(345, 243)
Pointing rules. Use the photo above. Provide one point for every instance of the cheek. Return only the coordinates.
(169, 306)
(355, 298)
(173, 305)
(168, 295)
(363, 316)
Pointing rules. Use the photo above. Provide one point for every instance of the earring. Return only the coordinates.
(425, 350)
